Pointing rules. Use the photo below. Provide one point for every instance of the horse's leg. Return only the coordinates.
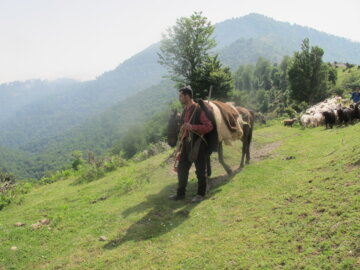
(243, 151)
(248, 146)
(221, 159)
(244, 144)
(208, 166)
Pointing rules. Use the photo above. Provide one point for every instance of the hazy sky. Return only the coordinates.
(81, 39)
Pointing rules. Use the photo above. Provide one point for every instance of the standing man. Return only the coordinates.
(355, 96)
(194, 146)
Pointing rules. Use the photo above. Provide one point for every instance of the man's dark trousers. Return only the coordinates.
(184, 168)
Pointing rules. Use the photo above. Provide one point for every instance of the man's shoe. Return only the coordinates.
(197, 198)
(176, 197)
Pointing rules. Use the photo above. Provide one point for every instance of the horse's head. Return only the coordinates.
(173, 128)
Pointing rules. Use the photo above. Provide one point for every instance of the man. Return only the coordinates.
(194, 147)
(355, 96)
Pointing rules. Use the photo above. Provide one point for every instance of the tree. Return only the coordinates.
(279, 75)
(244, 79)
(308, 75)
(78, 159)
(185, 51)
(212, 74)
(262, 74)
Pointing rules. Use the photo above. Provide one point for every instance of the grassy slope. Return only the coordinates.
(274, 214)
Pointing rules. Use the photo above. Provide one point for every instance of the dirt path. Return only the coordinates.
(261, 151)
(257, 152)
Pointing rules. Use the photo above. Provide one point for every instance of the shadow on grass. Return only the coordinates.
(216, 182)
(164, 214)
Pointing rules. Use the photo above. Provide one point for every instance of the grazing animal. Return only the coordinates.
(330, 119)
(357, 110)
(243, 124)
(345, 115)
(289, 122)
(305, 120)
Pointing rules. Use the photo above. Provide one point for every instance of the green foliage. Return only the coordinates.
(185, 47)
(11, 190)
(244, 78)
(141, 137)
(57, 176)
(97, 168)
(99, 134)
(308, 75)
(78, 160)
(185, 51)
(351, 82)
(262, 74)
(212, 75)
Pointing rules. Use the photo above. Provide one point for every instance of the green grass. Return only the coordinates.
(277, 213)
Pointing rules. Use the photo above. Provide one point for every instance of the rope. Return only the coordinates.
(181, 136)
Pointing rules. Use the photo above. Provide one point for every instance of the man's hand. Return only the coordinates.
(187, 126)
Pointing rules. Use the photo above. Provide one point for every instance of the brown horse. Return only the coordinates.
(245, 117)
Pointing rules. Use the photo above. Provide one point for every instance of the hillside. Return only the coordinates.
(67, 115)
(97, 134)
(277, 213)
(16, 95)
(55, 114)
(253, 32)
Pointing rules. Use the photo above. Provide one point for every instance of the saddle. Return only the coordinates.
(229, 115)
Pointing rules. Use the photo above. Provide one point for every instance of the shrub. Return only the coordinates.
(111, 164)
(58, 175)
(10, 190)
(290, 112)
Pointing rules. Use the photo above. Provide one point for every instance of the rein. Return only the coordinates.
(181, 136)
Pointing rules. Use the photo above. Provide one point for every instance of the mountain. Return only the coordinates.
(16, 95)
(48, 120)
(63, 109)
(255, 35)
(96, 134)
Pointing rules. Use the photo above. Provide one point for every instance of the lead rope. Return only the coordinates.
(179, 144)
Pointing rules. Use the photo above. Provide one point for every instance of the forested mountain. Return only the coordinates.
(16, 95)
(45, 121)
(255, 35)
(96, 134)
(54, 114)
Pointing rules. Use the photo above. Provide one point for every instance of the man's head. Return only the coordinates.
(358, 89)
(185, 94)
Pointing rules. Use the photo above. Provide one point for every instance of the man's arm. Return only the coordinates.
(205, 127)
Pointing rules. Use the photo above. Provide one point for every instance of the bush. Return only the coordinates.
(111, 164)
(10, 190)
(58, 175)
(290, 112)
(90, 174)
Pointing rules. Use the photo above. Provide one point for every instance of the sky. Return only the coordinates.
(81, 39)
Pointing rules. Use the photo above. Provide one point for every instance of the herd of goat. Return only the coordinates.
(330, 112)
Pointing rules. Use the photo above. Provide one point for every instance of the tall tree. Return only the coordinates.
(244, 78)
(308, 75)
(262, 74)
(185, 51)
